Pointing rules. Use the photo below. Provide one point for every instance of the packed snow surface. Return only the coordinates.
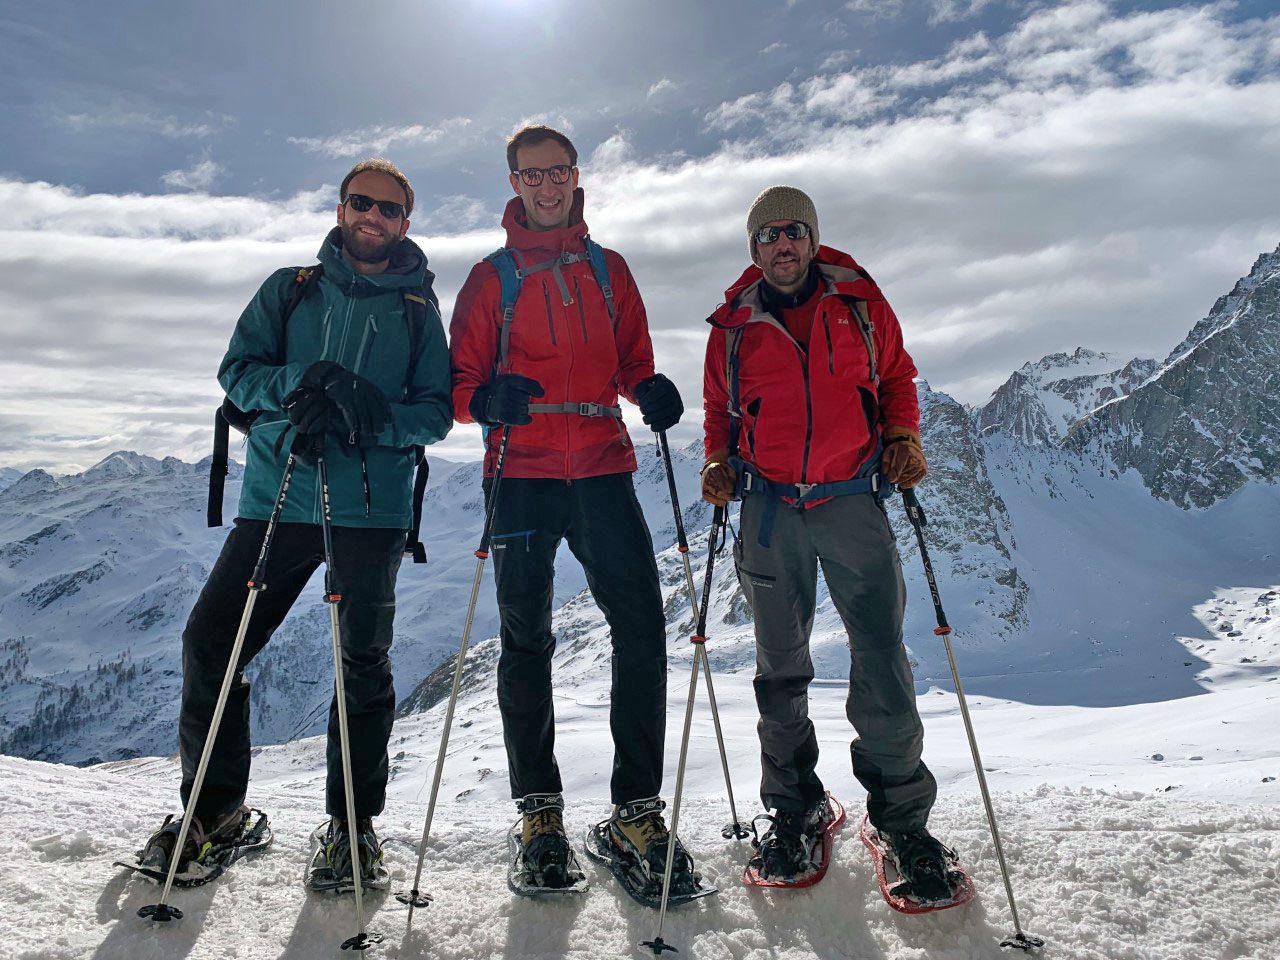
(1114, 854)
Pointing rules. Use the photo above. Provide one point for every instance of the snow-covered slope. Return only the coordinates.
(8, 475)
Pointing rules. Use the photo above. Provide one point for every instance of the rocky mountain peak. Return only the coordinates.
(1208, 420)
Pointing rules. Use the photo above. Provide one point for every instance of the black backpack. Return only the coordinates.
(229, 416)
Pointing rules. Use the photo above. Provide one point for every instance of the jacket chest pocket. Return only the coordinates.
(847, 359)
(367, 339)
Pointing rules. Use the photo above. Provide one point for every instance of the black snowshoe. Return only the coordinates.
(542, 862)
(926, 875)
(205, 855)
(330, 867)
(796, 848)
(633, 844)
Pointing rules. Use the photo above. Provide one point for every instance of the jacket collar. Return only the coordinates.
(407, 269)
(839, 273)
(544, 244)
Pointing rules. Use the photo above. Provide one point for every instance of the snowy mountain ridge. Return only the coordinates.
(1040, 402)
(99, 570)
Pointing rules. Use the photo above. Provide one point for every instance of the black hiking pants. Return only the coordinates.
(605, 528)
(366, 562)
(850, 538)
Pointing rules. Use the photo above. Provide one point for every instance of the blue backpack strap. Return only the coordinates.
(510, 276)
(595, 254)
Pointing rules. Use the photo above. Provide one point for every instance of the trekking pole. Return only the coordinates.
(162, 911)
(415, 898)
(1020, 940)
(698, 640)
(362, 939)
(734, 828)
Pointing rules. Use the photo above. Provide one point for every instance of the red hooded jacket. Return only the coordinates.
(572, 349)
(809, 417)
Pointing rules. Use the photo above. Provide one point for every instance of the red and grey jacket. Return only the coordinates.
(563, 337)
(812, 417)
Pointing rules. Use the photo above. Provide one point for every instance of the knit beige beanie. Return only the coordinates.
(780, 203)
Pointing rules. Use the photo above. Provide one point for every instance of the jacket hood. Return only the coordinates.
(407, 267)
(841, 276)
(565, 239)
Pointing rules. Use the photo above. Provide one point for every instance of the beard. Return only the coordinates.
(365, 248)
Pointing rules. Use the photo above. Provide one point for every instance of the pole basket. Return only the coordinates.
(160, 912)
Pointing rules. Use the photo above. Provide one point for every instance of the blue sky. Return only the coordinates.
(1020, 178)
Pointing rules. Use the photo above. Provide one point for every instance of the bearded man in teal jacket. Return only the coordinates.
(355, 365)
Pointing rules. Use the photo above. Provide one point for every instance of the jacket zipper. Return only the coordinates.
(551, 323)
(826, 328)
(328, 329)
(582, 313)
(346, 329)
(366, 341)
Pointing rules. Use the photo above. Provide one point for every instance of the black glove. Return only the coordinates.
(363, 407)
(504, 399)
(309, 410)
(660, 402)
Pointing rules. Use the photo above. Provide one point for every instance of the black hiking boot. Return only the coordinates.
(927, 867)
(788, 846)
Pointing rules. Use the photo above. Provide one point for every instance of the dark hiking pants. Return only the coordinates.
(365, 565)
(605, 529)
(851, 538)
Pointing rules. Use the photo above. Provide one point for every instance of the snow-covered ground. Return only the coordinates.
(1113, 853)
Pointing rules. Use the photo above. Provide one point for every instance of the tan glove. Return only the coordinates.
(903, 461)
(718, 479)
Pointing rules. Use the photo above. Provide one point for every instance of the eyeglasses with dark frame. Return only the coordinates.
(532, 176)
(794, 231)
(388, 208)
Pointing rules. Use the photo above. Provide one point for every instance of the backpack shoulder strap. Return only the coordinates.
(228, 415)
(510, 276)
(305, 280)
(595, 255)
(858, 308)
(417, 303)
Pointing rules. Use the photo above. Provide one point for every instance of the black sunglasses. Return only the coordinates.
(795, 231)
(362, 204)
(559, 174)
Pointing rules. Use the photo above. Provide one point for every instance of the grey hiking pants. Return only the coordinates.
(851, 538)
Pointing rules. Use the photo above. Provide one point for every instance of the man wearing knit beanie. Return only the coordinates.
(810, 416)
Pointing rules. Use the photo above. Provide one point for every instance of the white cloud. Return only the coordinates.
(460, 214)
(952, 11)
(879, 9)
(143, 121)
(773, 48)
(1086, 178)
(368, 141)
(197, 178)
(662, 86)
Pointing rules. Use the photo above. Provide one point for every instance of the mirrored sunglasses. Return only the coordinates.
(559, 174)
(795, 231)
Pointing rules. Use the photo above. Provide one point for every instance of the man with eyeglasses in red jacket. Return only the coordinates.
(811, 409)
(550, 363)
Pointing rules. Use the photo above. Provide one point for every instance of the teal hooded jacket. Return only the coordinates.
(358, 321)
